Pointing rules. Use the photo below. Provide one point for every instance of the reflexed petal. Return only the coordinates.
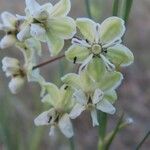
(63, 27)
(80, 97)
(48, 99)
(106, 106)
(16, 84)
(65, 126)
(98, 95)
(53, 91)
(55, 44)
(62, 8)
(32, 6)
(43, 118)
(120, 55)
(87, 83)
(87, 27)
(111, 96)
(96, 69)
(77, 54)
(8, 19)
(38, 32)
(111, 30)
(76, 111)
(94, 118)
(24, 33)
(7, 41)
(72, 80)
(110, 81)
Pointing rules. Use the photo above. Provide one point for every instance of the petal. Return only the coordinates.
(110, 81)
(16, 84)
(24, 33)
(87, 83)
(120, 55)
(52, 130)
(7, 41)
(111, 30)
(111, 96)
(44, 118)
(55, 44)
(80, 97)
(53, 92)
(85, 62)
(8, 19)
(98, 95)
(94, 118)
(87, 27)
(62, 8)
(32, 6)
(106, 106)
(96, 69)
(38, 32)
(72, 80)
(63, 27)
(77, 54)
(65, 126)
(76, 111)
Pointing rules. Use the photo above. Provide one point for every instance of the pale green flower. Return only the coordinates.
(9, 25)
(48, 23)
(93, 95)
(13, 69)
(102, 41)
(60, 101)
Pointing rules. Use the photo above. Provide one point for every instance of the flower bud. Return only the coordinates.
(7, 41)
(16, 84)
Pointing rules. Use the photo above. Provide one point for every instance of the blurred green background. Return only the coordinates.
(17, 130)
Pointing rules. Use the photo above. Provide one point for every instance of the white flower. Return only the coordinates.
(12, 68)
(48, 23)
(61, 103)
(93, 94)
(9, 25)
(102, 41)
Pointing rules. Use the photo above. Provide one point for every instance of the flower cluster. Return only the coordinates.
(98, 51)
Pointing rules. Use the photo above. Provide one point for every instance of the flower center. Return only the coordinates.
(96, 49)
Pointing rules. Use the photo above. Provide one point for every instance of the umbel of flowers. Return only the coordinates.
(98, 51)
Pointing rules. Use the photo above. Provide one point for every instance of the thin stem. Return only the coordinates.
(142, 142)
(102, 118)
(126, 7)
(72, 146)
(87, 3)
(115, 7)
(48, 61)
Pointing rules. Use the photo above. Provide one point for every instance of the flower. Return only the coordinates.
(60, 101)
(48, 23)
(102, 41)
(93, 95)
(9, 25)
(12, 68)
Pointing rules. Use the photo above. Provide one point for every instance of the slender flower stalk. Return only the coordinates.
(48, 62)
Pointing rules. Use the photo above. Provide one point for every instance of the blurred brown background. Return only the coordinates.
(17, 130)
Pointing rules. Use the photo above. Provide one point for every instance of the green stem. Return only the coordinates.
(102, 118)
(142, 142)
(88, 10)
(115, 7)
(72, 146)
